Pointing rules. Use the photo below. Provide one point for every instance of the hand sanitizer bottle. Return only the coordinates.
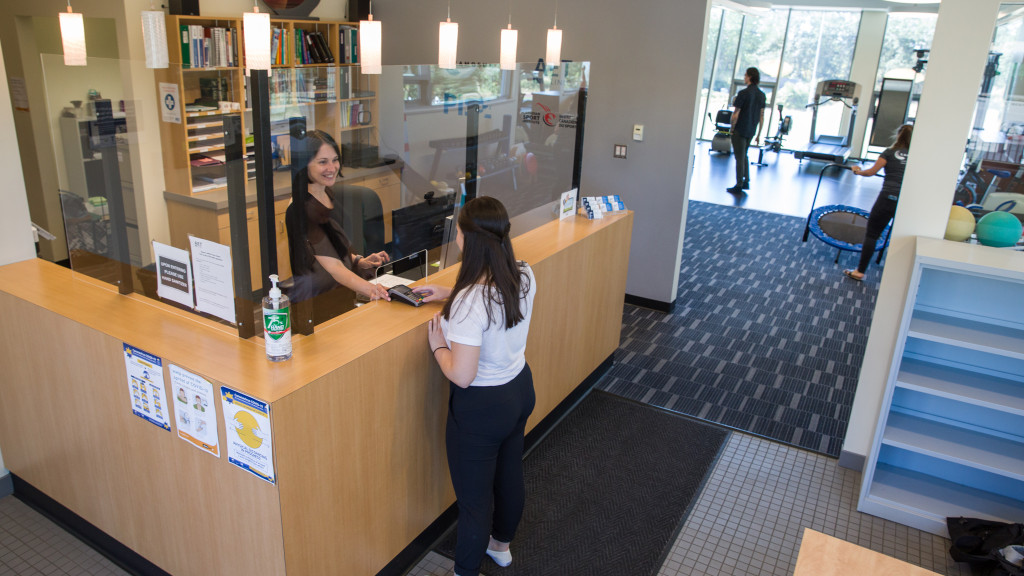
(277, 324)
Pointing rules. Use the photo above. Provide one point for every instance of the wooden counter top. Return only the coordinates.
(215, 351)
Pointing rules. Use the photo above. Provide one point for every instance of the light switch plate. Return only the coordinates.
(638, 132)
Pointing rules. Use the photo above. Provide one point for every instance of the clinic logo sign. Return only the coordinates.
(548, 118)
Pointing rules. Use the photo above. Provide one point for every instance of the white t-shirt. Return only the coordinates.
(502, 351)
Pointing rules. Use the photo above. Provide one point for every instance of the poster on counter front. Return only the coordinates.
(247, 430)
(146, 386)
(195, 409)
(170, 103)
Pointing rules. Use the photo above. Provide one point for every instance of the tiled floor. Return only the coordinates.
(32, 545)
(751, 514)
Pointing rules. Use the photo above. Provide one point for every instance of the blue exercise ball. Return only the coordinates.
(999, 229)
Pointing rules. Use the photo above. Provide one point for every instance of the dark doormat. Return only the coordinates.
(608, 490)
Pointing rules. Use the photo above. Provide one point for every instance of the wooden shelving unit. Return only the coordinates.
(305, 84)
(950, 435)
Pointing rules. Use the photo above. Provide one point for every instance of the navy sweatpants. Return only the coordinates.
(484, 439)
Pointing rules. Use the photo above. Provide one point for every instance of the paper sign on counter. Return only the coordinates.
(249, 439)
(146, 386)
(195, 407)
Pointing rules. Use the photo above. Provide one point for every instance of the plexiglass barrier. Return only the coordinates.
(315, 174)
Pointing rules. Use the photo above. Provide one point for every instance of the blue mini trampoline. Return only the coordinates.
(841, 226)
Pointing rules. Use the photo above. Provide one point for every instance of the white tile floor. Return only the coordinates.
(750, 515)
(748, 520)
(32, 545)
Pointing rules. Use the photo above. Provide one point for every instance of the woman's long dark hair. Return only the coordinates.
(296, 221)
(903, 137)
(487, 257)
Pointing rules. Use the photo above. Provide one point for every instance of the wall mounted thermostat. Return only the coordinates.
(638, 132)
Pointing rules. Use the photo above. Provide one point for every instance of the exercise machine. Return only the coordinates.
(892, 110)
(774, 143)
(831, 148)
(722, 142)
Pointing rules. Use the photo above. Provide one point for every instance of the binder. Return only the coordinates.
(186, 60)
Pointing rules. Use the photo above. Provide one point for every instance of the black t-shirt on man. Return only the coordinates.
(751, 101)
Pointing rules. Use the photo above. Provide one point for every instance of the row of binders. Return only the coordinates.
(213, 47)
(312, 48)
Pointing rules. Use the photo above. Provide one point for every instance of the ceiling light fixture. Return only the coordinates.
(72, 37)
(369, 44)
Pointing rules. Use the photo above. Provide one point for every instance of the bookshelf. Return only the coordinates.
(314, 75)
(950, 435)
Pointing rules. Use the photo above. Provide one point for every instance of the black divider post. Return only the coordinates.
(472, 147)
(302, 311)
(114, 191)
(234, 159)
(259, 84)
(577, 159)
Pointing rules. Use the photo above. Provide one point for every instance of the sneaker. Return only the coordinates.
(737, 189)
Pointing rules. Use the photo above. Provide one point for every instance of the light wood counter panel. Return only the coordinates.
(358, 414)
(68, 429)
(824, 555)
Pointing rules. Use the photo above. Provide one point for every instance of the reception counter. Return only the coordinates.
(357, 415)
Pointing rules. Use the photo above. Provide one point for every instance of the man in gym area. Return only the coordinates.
(747, 119)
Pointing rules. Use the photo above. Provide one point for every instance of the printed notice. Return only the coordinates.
(247, 427)
(19, 95)
(195, 406)
(146, 386)
(568, 204)
(211, 263)
(174, 274)
(170, 103)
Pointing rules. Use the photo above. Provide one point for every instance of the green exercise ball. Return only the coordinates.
(960, 225)
(999, 229)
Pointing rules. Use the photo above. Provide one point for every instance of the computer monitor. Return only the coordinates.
(420, 226)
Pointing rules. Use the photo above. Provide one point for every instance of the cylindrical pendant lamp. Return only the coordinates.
(369, 44)
(154, 38)
(256, 25)
(447, 44)
(72, 37)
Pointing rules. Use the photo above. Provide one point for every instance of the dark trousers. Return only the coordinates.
(881, 213)
(484, 439)
(739, 149)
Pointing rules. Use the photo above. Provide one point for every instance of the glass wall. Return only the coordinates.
(356, 165)
(794, 49)
(990, 194)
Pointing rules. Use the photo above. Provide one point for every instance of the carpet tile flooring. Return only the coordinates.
(767, 335)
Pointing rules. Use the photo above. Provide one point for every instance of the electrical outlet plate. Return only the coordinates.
(620, 151)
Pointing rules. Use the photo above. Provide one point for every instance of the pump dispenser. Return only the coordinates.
(277, 324)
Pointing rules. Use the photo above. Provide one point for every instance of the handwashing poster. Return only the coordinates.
(146, 386)
(196, 409)
(247, 427)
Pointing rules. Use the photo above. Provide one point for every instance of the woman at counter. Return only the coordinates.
(321, 255)
(479, 341)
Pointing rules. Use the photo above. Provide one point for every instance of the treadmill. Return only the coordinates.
(826, 147)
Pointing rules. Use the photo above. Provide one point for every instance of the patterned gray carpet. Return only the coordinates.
(767, 335)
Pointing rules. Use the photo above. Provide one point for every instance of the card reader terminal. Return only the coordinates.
(405, 294)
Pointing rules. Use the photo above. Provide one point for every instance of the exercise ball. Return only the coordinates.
(960, 225)
(531, 164)
(999, 229)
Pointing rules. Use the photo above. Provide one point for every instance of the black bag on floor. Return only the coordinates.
(978, 541)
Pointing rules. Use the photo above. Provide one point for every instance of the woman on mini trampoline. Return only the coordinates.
(894, 160)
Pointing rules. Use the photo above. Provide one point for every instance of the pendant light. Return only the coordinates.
(509, 43)
(447, 41)
(256, 26)
(369, 44)
(72, 37)
(554, 52)
(154, 38)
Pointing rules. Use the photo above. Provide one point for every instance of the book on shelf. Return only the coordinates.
(348, 41)
(203, 47)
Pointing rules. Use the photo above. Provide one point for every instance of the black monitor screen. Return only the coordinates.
(420, 226)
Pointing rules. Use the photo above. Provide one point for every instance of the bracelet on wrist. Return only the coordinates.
(438, 348)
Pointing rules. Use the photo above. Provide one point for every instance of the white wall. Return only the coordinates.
(864, 69)
(15, 235)
(646, 66)
(963, 35)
